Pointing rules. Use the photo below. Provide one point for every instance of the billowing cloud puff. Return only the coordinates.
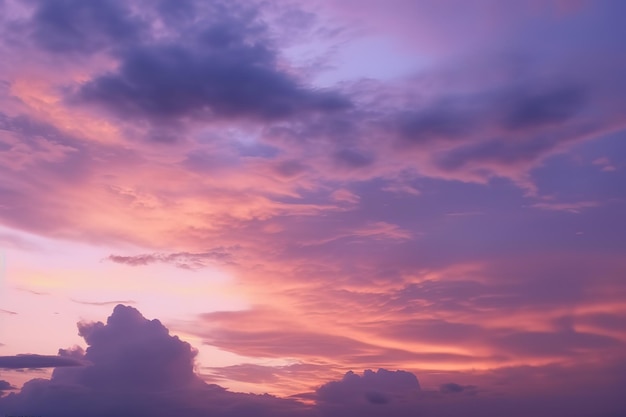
(136, 368)
(379, 387)
(133, 367)
(381, 393)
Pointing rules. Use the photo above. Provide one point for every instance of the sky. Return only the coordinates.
(313, 208)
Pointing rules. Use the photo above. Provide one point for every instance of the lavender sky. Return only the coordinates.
(358, 207)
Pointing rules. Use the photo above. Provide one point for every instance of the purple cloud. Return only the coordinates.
(136, 368)
(454, 388)
(5, 386)
(38, 361)
(380, 387)
(70, 26)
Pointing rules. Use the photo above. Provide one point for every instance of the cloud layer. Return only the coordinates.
(132, 366)
(464, 219)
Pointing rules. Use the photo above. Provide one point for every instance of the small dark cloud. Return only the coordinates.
(539, 109)
(5, 386)
(183, 260)
(440, 122)
(30, 361)
(454, 388)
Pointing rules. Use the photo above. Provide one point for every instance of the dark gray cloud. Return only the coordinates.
(175, 81)
(38, 361)
(183, 260)
(454, 388)
(438, 122)
(178, 60)
(5, 386)
(543, 107)
(219, 62)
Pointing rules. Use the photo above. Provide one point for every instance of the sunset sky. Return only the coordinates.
(360, 207)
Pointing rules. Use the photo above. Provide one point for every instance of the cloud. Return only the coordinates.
(374, 387)
(63, 26)
(286, 380)
(221, 66)
(38, 361)
(171, 82)
(433, 123)
(545, 107)
(133, 367)
(246, 150)
(270, 333)
(371, 394)
(136, 368)
(183, 260)
(5, 386)
(7, 312)
(453, 388)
